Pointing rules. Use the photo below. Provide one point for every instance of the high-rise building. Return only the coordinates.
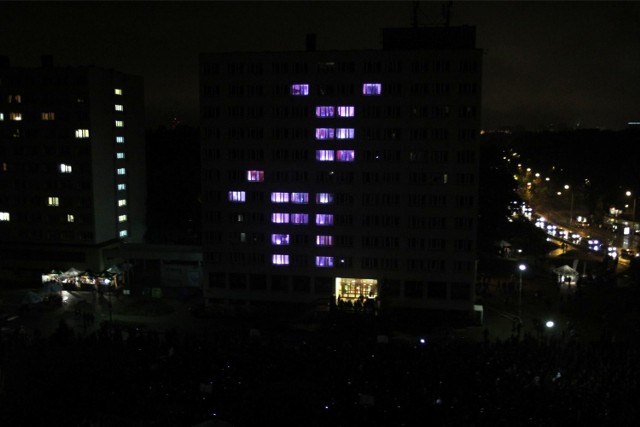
(72, 166)
(344, 176)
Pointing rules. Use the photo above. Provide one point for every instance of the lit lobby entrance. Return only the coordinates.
(355, 292)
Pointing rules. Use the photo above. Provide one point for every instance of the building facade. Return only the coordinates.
(343, 176)
(72, 166)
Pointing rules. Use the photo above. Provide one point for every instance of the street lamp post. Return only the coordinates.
(521, 267)
(633, 212)
(566, 187)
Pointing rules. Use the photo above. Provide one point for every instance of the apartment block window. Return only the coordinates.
(325, 111)
(345, 133)
(237, 196)
(122, 202)
(14, 99)
(324, 261)
(280, 218)
(370, 89)
(325, 155)
(121, 171)
(277, 197)
(1, 117)
(65, 168)
(15, 116)
(325, 133)
(124, 233)
(70, 218)
(119, 139)
(278, 259)
(299, 218)
(119, 123)
(5, 216)
(345, 155)
(122, 187)
(122, 218)
(299, 89)
(48, 115)
(280, 239)
(119, 155)
(324, 198)
(300, 198)
(324, 240)
(255, 176)
(119, 107)
(82, 133)
(324, 219)
(53, 201)
(346, 111)
(117, 91)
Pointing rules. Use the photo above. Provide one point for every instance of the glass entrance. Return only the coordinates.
(355, 292)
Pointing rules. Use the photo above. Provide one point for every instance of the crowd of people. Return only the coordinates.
(341, 375)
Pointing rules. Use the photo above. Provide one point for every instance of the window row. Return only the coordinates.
(368, 89)
(300, 218)
(331, 111)
(282, 197)
(338, 133)
(337, 155)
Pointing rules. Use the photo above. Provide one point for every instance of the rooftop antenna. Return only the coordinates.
(446, 12)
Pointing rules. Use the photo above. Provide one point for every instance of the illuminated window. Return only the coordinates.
(324, 155)
(122, 218)
(119, 123)
(372, 89)
(53, 201)
(345, 133)
(299, 218)
(70, 218)
(300, 198)
(324, 240)
(300, 89)
(82, 133)
(324, 219)
(48, 115)
(255, 176)
(117, 91)
(1, 117)
(65, 168)
(119, 155)
(122, 202)
(15, 116)
(279, 239)
(122, 187)
(14, 99)
(280, 197)
(122, 171)
(345, 155)
(119, 139)
(325, 133)
(4, 216)
(4, 167)
(324, 198)
(237, 196)
(346, 111)
(325, 111)
(324, 261)
(119, 107)
(280, 218)
(124, 233)
(278, 259)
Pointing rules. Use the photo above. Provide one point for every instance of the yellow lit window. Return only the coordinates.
(50, 115)
(119, 107)
(4, 216)
(70, 218)
(14, 99)
(53, 201)
(119, 123)
(117, 91)
(15, 116)
(122, 218)
(122, 202)
(82, 133)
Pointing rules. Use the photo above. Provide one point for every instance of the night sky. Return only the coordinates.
(545, 63)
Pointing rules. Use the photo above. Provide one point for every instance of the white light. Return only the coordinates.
(522, 267)
(550, 324)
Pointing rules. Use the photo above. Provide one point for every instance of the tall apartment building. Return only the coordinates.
(72, 166)
(349, 175)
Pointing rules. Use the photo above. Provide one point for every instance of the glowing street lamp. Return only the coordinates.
(522, 268)
(566, 187)
(633, 213)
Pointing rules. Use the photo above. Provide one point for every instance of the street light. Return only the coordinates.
(633, 212)
(566, 187)
(521, 267)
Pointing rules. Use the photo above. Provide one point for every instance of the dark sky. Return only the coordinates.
(545, 62)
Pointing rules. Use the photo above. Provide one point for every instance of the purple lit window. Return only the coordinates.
(278, 259)
(324, 240)
(299, 218)
(279, 239)
(325, 155)
(237, 196)
(280, 218)
(345, 133)
(345, 155)
(325, 133)
(324, 198)
(324, 219)
(255, 176)
(300, 89)
(300, 198)
(346, 111)
(325, 111)
(372, 89)
(280, 197)
(324, 261)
